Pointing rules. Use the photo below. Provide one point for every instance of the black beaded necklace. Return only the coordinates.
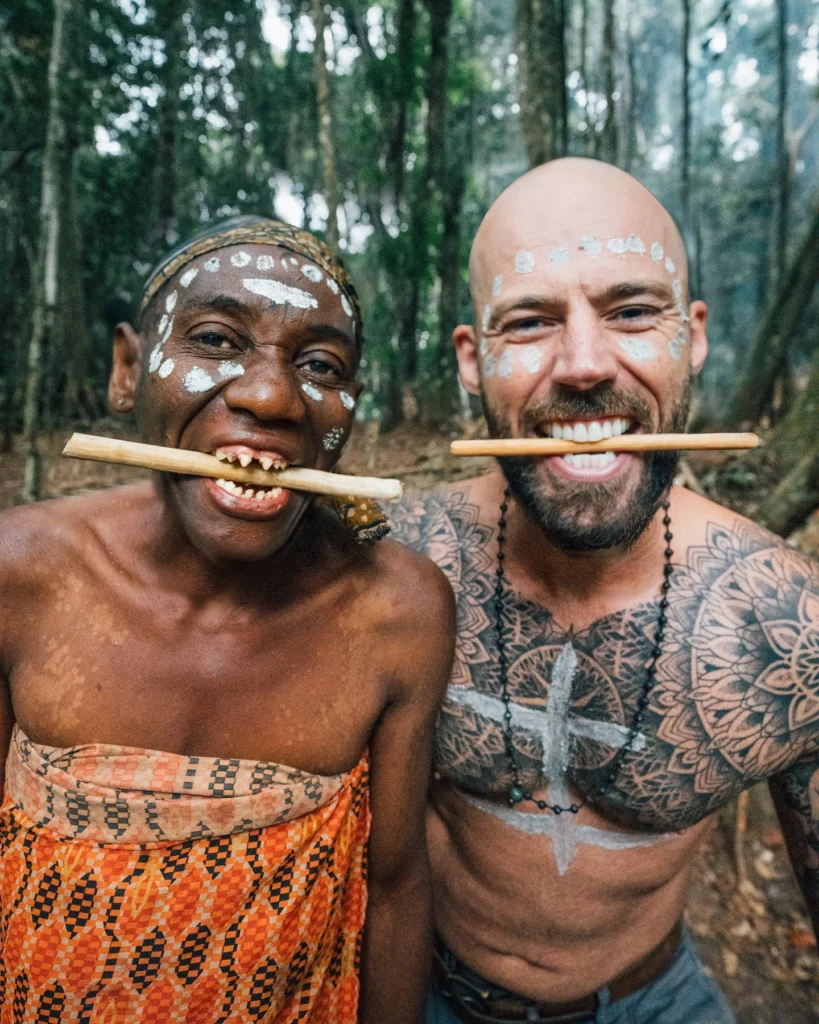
(517, 792)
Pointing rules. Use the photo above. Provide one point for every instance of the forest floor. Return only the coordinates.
(745, 910)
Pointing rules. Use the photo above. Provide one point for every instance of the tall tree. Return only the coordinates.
(685, 147)
(783, 163)
(542, 77)
(171, 28)
(608, 138)
(331, 186)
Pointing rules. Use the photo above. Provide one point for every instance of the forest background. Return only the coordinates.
(389, 128)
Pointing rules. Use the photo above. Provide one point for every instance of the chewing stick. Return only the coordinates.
(180, 460)
(623, 443)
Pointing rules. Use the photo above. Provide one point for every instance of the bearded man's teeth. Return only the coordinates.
(600, 460)
(596, 430)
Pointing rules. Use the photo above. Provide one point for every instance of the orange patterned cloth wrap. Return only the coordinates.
(140, 886)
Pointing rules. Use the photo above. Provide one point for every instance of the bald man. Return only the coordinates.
(630, 655)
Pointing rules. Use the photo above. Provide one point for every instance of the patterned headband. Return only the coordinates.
(258, 231)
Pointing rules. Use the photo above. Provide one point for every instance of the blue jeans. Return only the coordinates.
(683, 994)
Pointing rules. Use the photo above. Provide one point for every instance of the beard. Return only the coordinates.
(586, 516)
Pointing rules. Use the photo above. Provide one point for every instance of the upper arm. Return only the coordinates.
(796, 796)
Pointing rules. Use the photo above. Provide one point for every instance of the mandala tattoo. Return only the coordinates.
(737, 692)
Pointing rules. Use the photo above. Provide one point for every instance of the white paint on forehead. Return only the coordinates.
(332, 284)
(530, 358)
(669, 265)
(170, 302)
(656, 252)
(188, 277)
(497, 284)
(677, 343)
(198, 380)
(280, 294)
(166, 369)
(212, 265)
(524, 262)
(163, 323)
(560, 256)
(635, 244)
(345, 305)
(312, 273)
(265, 262)
(240, 259)
(333, 438)
(485, 317)
(312, 392)
(506, 364)
(294, 261)
(591, 245)
(231, 369)
(639, 349)
(168, 332)
(489, 366)
(156, 358)
(347, 400)
(616, 245)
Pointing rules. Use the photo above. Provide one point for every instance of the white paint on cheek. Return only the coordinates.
(676, 344)
(265, 262)
(198, 380)
(524, 262)
(590, 244)
(347, 400)
(212, 265)
(676, 287)
(497, 284)
(240, 259)
(280, 294)
(683, 312)
(333, 438)
(485, 317)
(170, 302)
(312, 392)
(639, 349)
(168, 332)
(156, 358)
(484, 346)
(656, 252)
(332, 284)
(166, 369)
(489, 366)
(530, 358)
(635, 244)
(186, 280)
(231, 369)
(560, 256)
(506, 365)
(312, 273)
(345, 305)
(669, 265)
(163, 323)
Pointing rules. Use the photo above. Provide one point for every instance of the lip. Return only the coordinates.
(246, 508)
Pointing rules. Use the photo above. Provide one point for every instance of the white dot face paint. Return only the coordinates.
(312, 273)
(168, 332)
(332, 284)
(560, 256)
(230, 369)
(163, 323)
(312, 392)
(265, 262)
(591, 245)
(497, 284)
(187, 279)
(484, 347)
(683, 312)
(197, 381)
(485, 317)
(170, 302)
(676, 287)
(166, 369)
(656, 252)
(530, 358)
(212, 265)
(333, 438)
(280, 294)
(635, 244)
(669, 265)
(489, 366)
(616, 245)
(506, 365)
(294, 261)
(240, 259)
(524, 262)
(639, 349)
(156, 358)
(347, 400)
(345, 305)
(676, 344)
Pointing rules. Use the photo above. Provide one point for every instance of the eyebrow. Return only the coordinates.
(216, 302)
(331, 333)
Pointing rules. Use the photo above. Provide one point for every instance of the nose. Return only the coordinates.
(268, 389)
(586, 357)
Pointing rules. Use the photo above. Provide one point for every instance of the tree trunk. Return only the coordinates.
(796, 432)
(685, 148)
(172, 29)
(783, 163)
(329, 169)
(770, 351)
(796, 497)
(72, 327)
(404, 79)
(584, 78)
(608, 140)
(541, 76)
(45, 279)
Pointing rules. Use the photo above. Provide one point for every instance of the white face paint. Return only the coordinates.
(656, 252)
(616, 245)
(485, 317)
(294, 261)
(345, 305)
(639, 349)
(230, 369)
(347, 400)
(240, 259)
(676, 287)
(524, 262)
(312, 273)
(530, 358)
(489, 366)
(312, 392)
(265, 262)
(212, 265)
(198, 380)
(333, 438)
(170, 302)
(163, 323)
(506, 365)
(188, 277)
(168, 332)
(280, 294)
(635, 244)
(669, 265)
(590, 244)
(156, 358)
(484, 346)
(497, 284)
(332, 284)
(560, 256)
(676, 344)
(166, 369)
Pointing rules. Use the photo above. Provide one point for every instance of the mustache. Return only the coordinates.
(597, 403)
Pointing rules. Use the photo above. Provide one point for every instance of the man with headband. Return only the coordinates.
(199, 678)
(630, 656)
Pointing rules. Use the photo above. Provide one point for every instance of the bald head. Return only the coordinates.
(562, 211)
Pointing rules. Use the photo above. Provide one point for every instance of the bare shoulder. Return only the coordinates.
(412, 591)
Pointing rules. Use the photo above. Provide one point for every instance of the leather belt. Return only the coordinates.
(476, 1001)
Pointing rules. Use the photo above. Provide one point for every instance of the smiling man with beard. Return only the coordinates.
(630, 656)
(198, 681)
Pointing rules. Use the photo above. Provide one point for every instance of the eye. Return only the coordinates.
(323, 366)
(526, 325)
(213, 339)
(632, 313)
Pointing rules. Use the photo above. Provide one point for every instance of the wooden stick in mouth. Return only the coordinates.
(180, 460)
(624, 443)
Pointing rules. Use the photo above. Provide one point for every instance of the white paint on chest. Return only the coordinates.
(280, 294)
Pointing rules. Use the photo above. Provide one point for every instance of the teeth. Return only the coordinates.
(245, 459)
(266, 462)
(599, 460)
(568, 435)
(580, 432)
(595, 431)
(557, 431)
(220, 455)
(607, 429)
(249, 492)
(231, 456)
(280, 464)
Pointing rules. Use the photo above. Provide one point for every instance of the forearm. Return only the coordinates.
(796, 796)
(397, 950)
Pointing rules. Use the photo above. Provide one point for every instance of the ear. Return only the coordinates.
(466, 351)
(126, 368)
(698, 313)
